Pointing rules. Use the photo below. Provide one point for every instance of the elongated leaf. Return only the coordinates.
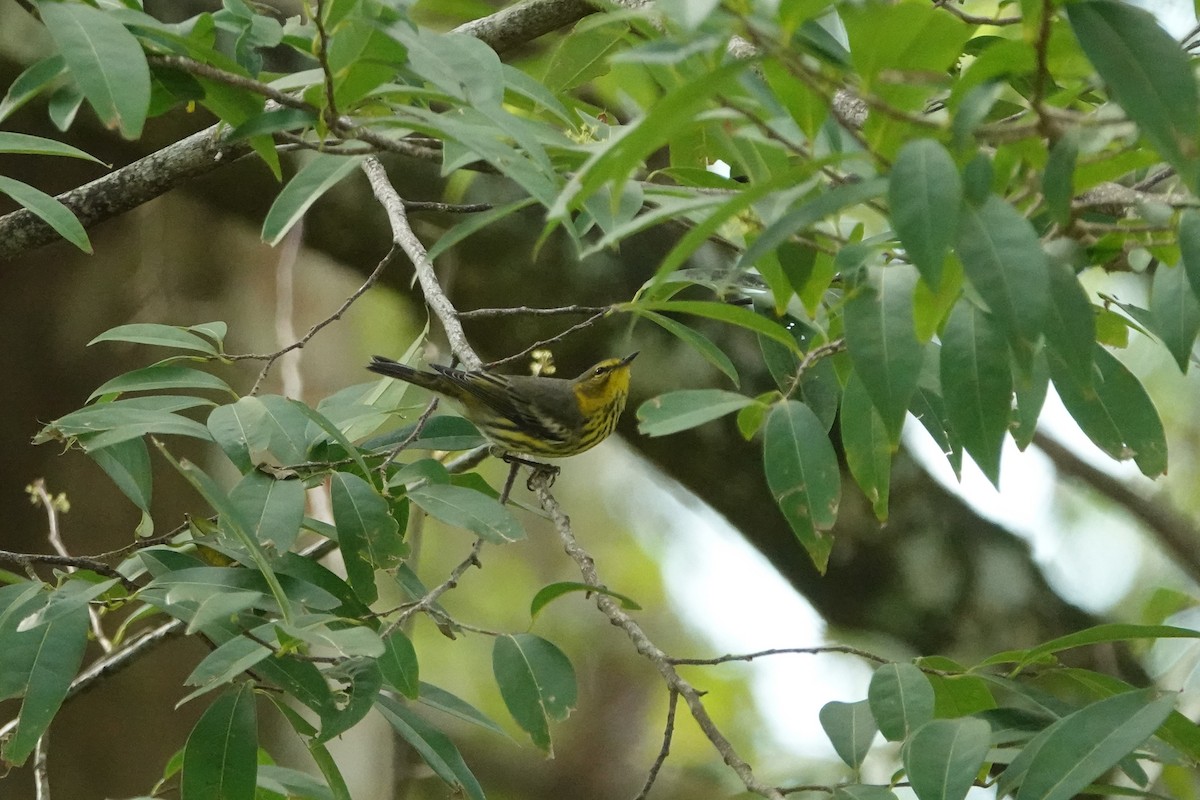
(398, 665)
(1004, 261)
(434, 747)
(153, 334)
(128, 464)
(868, 450)
(455, 706)
(537, 683)
(943, 757)
(161, 376)
(882, 342)
(1081, 747)
(1071, 323)
(850, 728)
(698, 341)
(1147, 72)
(1189, 247)
(810, 212)
(231, 658)
(548, 594)
(105, 60)
(363, 680)
(30, 83)
(687, 408)
(368, 535)
(1176, 312)
(220, 759)
(39, 664)
(803, 475)
(313, 180)
(36, 145)
(467, 508)
(272, 509)
(1115, 411)
(1058, 181)
(977, 384)
(49, 210)
(722, 312)
(240, 431)
(901, 699)
(925, 193)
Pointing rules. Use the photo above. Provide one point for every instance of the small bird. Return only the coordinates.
(537, 416)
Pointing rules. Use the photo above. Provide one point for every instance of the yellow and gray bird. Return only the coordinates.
(526, 414)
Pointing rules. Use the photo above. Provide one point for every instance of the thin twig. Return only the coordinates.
(426, 602)
(271, 358)
(41, 775)
(412, 437)
(27, 560)
(200, 69)
(539, 482)
(812, 651)
(484, 313)
(665, 750)
(592, 320)
(811, 357)
(331, 112)
(972, 19)
(405, 239)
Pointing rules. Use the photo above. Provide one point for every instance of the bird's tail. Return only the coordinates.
(394, 369)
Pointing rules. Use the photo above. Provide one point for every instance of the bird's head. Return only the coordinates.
(605, 381)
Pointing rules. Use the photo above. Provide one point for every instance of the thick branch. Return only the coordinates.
(205, 151)
(1177, 534)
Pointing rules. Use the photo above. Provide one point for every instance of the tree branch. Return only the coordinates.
(1177, 534)
(539, 482)
(204, 151)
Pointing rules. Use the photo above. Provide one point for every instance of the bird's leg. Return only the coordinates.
(535, 467)
(508, 484)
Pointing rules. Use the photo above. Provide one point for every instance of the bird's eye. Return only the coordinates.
(598, 371)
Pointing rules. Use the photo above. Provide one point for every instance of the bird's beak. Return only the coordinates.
(625, 361)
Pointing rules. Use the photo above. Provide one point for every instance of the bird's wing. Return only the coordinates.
(509, 398)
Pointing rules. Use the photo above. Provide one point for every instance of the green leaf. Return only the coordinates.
(36, 145)
(1058, 179)
(455, 706)
(434, 747)
(367, 532)
(48, 210)
(1082, 746)
(677, 411)
(1004, 261)
(537, 683)
(810, 212)
(977, 384)
(1176, 312)
(862, 791)
(1189, 247)
(240, 431)
(232, 657)
(399, 665)
(901, 699)
(722, 312)
(803, 475)
(1071, 323)
(943, 757)
(1115, 412)
(128, 464)
(160, 335)
(39, 665)
(105, 60)
(868, 449)
(1106, 634)
(1147, 72)
(220, 758)
(30, 83)
(467, 508)
(882, 342)
(924, 194)
(1030, 391)
(698, 341)
(314, 179)
(850, 728)
(361, 57)
(158, 377)
(553, 591)
(272, 509)
(363, 680)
